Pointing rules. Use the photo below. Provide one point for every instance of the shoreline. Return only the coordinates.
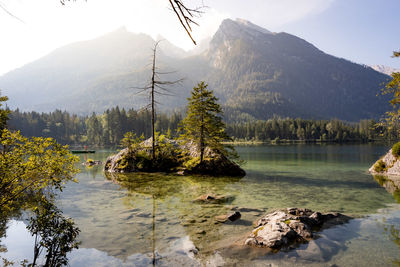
(309, 141)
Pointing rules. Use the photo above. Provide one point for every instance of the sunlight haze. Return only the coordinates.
(48, 25)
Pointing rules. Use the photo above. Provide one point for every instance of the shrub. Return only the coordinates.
(396, 150)
(380, 166)
(191, 163)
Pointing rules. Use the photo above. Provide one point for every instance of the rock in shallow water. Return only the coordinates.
(231, 217)
(285, 227)
(210, 198)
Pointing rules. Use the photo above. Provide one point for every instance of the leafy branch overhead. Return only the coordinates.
(393, 87)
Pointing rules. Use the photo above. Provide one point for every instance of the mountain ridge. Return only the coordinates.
(255, 73)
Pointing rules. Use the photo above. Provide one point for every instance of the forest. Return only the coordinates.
(107, 129)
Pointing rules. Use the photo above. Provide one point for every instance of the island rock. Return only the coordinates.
(283, 228)
(172, 156)
(387, 165)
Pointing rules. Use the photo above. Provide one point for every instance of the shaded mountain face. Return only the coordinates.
(261, 72)
(255, 73)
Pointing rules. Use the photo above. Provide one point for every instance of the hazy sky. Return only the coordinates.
(364, 31)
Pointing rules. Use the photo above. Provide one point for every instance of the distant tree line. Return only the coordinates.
(310, 130)
(108, 129)
(105, 129)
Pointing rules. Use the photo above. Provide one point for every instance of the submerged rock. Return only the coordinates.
(285, 227)
(92, 163)
(209, 198)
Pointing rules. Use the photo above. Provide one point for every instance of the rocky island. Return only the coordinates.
(389, 164)
(172, 157)
(386, 171)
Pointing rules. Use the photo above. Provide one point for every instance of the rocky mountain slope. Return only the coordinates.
(255, 73)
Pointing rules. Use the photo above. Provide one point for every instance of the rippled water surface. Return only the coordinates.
(146, 219)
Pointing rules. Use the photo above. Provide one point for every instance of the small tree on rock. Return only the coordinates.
(203, 123)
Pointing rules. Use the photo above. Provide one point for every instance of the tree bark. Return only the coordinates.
(153, 152)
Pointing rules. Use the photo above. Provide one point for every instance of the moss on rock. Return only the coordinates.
(380, 166)
(172, 156)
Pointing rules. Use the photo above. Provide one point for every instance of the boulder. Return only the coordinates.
(283, 228)
(217, 166)
(387, 165)
(228, 217)
(115, 163)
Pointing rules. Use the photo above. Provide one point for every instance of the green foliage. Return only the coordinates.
(139, 158)
(77, 130)
(54, 234)
(131, 141)
(396, 150)
(30, 165)
(203, 123)
(3, 113)
(167, 156)
(380, 166)
(143, 161)
(393, 87)
(106, 129)
(309, 130)
(189, 164)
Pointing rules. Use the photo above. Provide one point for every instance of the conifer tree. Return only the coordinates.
(3, 113)
(203, 123)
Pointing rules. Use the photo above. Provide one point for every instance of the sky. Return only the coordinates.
(363, 31)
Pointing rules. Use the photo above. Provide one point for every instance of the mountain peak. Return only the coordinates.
(231, 30)
(252, 26)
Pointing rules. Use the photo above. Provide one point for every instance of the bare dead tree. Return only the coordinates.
(155, 87)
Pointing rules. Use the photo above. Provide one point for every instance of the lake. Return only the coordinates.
(146, 219)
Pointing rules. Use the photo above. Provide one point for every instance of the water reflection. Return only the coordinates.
(54, 236)
(145, 219)
(391, 184)
(174, 213)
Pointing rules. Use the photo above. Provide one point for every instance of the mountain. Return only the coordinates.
(385, 69)
(87, 76)
(256, 74)
(256, 70)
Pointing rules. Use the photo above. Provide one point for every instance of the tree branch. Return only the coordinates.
(9, 13)
(185, 16)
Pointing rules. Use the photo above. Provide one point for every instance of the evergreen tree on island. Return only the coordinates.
(203, 123)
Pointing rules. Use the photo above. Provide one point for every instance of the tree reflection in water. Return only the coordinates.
(55, 236)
